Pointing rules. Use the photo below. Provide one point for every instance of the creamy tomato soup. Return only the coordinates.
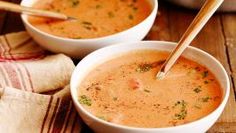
(96, 18)
(124, 90)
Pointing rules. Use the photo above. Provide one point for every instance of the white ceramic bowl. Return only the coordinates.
(104, 54)
(80, 47)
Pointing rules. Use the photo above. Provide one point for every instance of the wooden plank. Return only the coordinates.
(211, 40)
(229, 25)
(160, 30)
(224, 127)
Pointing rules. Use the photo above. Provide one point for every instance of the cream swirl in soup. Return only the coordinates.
(124, 91)
(96, 18)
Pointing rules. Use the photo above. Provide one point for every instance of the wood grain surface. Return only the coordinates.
(218, 38)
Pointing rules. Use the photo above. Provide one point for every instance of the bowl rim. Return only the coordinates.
(94, 118)
(25, 20)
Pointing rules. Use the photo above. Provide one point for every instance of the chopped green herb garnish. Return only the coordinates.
(205, 99)
(78, 37)
(75, 3)
(177, 103)
(131, 17)
(88, 28)
(197, 89)
(85, 100)
(148, 91)
(183, 111)
(115, 98)
(148, 66)
(181, 115)
(135, 8)
(111, 14)
(98, 6)
(206, 82)
(144, 68)
(204, 74)
(157, 105)
(182, 103)
(86, 23)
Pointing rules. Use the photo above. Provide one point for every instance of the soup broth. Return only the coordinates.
(96, 18)
(124, 90)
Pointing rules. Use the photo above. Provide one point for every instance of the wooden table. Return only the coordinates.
(217, 38)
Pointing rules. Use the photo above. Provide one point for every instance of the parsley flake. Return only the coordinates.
(144, 68)
(148, 91)
(75, 3)
(111, 15)
(131, 17)
(183, 111)
(204, 74)
(205, 99)
(85, 100)
(197, 90)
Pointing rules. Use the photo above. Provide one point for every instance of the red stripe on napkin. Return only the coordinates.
(29, 78)
(46, 115)
(12, 75)
(54, 114)
(60, 116)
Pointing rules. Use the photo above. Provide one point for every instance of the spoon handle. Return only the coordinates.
(28, 10)
(197, 24)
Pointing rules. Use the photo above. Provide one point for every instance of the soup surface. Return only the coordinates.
(124, 90)
(97, 18)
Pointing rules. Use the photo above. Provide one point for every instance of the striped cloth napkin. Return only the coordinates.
(34, 92)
